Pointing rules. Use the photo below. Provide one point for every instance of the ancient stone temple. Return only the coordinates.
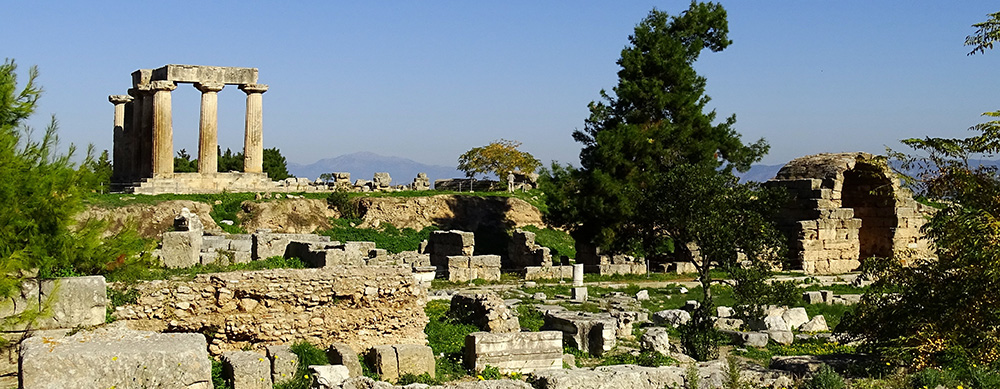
(846, 208)
(143, 132)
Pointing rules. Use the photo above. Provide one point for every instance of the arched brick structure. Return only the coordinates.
(845, 208)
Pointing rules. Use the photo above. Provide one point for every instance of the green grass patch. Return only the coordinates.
(558, 242)
(832, 313)
(160, 273)
(646, 358)
(308, 355)
(530, 318)
(446, 336)
(813, 347)
(386, 236)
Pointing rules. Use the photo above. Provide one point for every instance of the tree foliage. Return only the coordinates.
(939, 310)
(183, 162)
(656, 166)
(273, 163)
(498, 158)
(41, 192)
(986, 34)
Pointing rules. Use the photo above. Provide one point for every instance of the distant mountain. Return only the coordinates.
(759, 173)
(364, 165)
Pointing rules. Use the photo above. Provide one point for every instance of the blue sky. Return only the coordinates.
(430, 80)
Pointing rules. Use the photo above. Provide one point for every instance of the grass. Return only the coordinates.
(446, 337)
(386, 236)
(763, 355)
(558, 242)
(160, 273)
(530, 318)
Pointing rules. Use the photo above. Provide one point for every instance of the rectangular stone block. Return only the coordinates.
(521, 352)
(246, 370)
(343, 354)
(383, 360)
(197, 73)
(284, 363)
(181, 249)
(414, 359)
(72, 301)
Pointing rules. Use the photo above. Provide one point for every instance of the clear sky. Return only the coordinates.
(428, 80)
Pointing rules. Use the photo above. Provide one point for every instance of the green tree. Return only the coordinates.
(95, 174)
(229, 162)
(946, 310)
(183, 162)
(275, 165)
(498, 158)
(986, 34)
(656, 168)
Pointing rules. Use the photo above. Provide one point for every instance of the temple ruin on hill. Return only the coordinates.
(846, 208)
(143, 132)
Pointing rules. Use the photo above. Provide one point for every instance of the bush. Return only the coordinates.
(530, 318)
(341, 200)
(308, 355)
(826, 378)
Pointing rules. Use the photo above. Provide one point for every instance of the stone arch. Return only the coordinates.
(845, 208)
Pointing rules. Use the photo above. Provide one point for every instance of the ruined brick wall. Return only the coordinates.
(847, 207)
(360, 306)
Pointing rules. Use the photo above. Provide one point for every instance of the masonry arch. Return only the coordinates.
(869, 192)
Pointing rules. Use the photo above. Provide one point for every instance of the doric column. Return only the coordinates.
(145, 134)
(253, 139)
(132, 135)
(163, 131)
(208, 127)
(120, 149)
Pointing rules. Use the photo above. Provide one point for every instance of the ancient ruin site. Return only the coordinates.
(670, 252)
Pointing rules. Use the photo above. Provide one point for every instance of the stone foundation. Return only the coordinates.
(361, 307)
(521, 352)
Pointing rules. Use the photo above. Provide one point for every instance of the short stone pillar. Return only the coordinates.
(208, 127)
(253, 140)
(578, 275)
(163, 131)
(121, 150)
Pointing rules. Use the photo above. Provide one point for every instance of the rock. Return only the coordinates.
(754, 339)
(683, 290)
(643, 295)
(817, 324)
(691, 305)
(521, 352)
(656, 339)
(284, 363)
(393, 361)
(580, 294)
(117, 357)
(813, 297)
(774, 323)
(246, 369)
(724, 312)
(728, 324)
(328, 376)
(569, 359)
(539, 296)
(485, 310)
(673, 317)
(782, 336)
(594, 333)
(795, 317)
(343, 354)
(612, 377)
(187, 221)
(530, 284)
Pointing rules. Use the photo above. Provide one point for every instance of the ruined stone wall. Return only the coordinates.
(361, 306)
(846, 208)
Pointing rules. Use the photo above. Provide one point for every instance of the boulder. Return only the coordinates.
(673, 317)
(724, 312)
(485, 310)
(795, 317)
(117, 357)
(246, 370)
(754, 339)
(284, 363)
(781, 336)
(328, 376)
(728, 324)
(656, 339)
(817, 324)
(643, 295)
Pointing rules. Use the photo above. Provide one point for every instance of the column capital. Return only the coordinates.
(253, 88)
(162, 85)
(119, 99)
(206, 87)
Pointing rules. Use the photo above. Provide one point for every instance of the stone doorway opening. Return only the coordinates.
(868, 190)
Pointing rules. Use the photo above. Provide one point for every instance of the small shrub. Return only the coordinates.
(530, 318)
(218, 382)
(118, 298)
(731, 376)
(934, 377)
(826, 378)
(449, 368)
(410, 378)
(308, 355)
(691, 378)
(341, 200)
(490, 373)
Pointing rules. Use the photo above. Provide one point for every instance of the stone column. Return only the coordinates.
(578, 275)
(163, 131)
(253, 139)
(145, 133)
(120, 150)
(134, 136)
(208, 127)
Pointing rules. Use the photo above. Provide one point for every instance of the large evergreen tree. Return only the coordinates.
(656, 166)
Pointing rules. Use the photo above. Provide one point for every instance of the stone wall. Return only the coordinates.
(845, 208)
(361, 306)
(521, 352)
(596, 262)
(475, 267)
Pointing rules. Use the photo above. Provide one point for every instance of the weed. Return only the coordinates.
(530, 318)
(826, 378)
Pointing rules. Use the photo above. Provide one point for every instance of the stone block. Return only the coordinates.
(724, 312)
(781, 337)
(198, 73)
(580, 294)
(728, 323)
(117, 357)
(181, 249)
(72, 301)
(484, 261)
(414, 359)
(813, 297)
(383, 361)
(485, 310)
(752, 339)
(671, 317)
(816, 324)
(284, 363)
(594, 333)
(246, 370)
(656, 339)
(795, 317)
(521, 352)
(328, 376)
(343, 354)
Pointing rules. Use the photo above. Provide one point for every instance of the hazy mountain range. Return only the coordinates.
(364, 165)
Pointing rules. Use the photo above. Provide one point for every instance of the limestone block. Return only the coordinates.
(626, 319)
(414, 359)
(580, 294)
(589, 332)
(656, 339)
(753, 339)
(724, 312)
(642, 295)
(522, 352)
(181, 249)
(782, 337)
(775, 323)
(328, 376)
(246, 370)
(72, 302)
(187, 221)
(672, 317)
(817, 324)
(795, 317)
(813, 297)
(484, 261)
(485, 310)
(383, 361)
(728, 323)
(284, 363)
(827, 296)
(117, 357)
(343, 354)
